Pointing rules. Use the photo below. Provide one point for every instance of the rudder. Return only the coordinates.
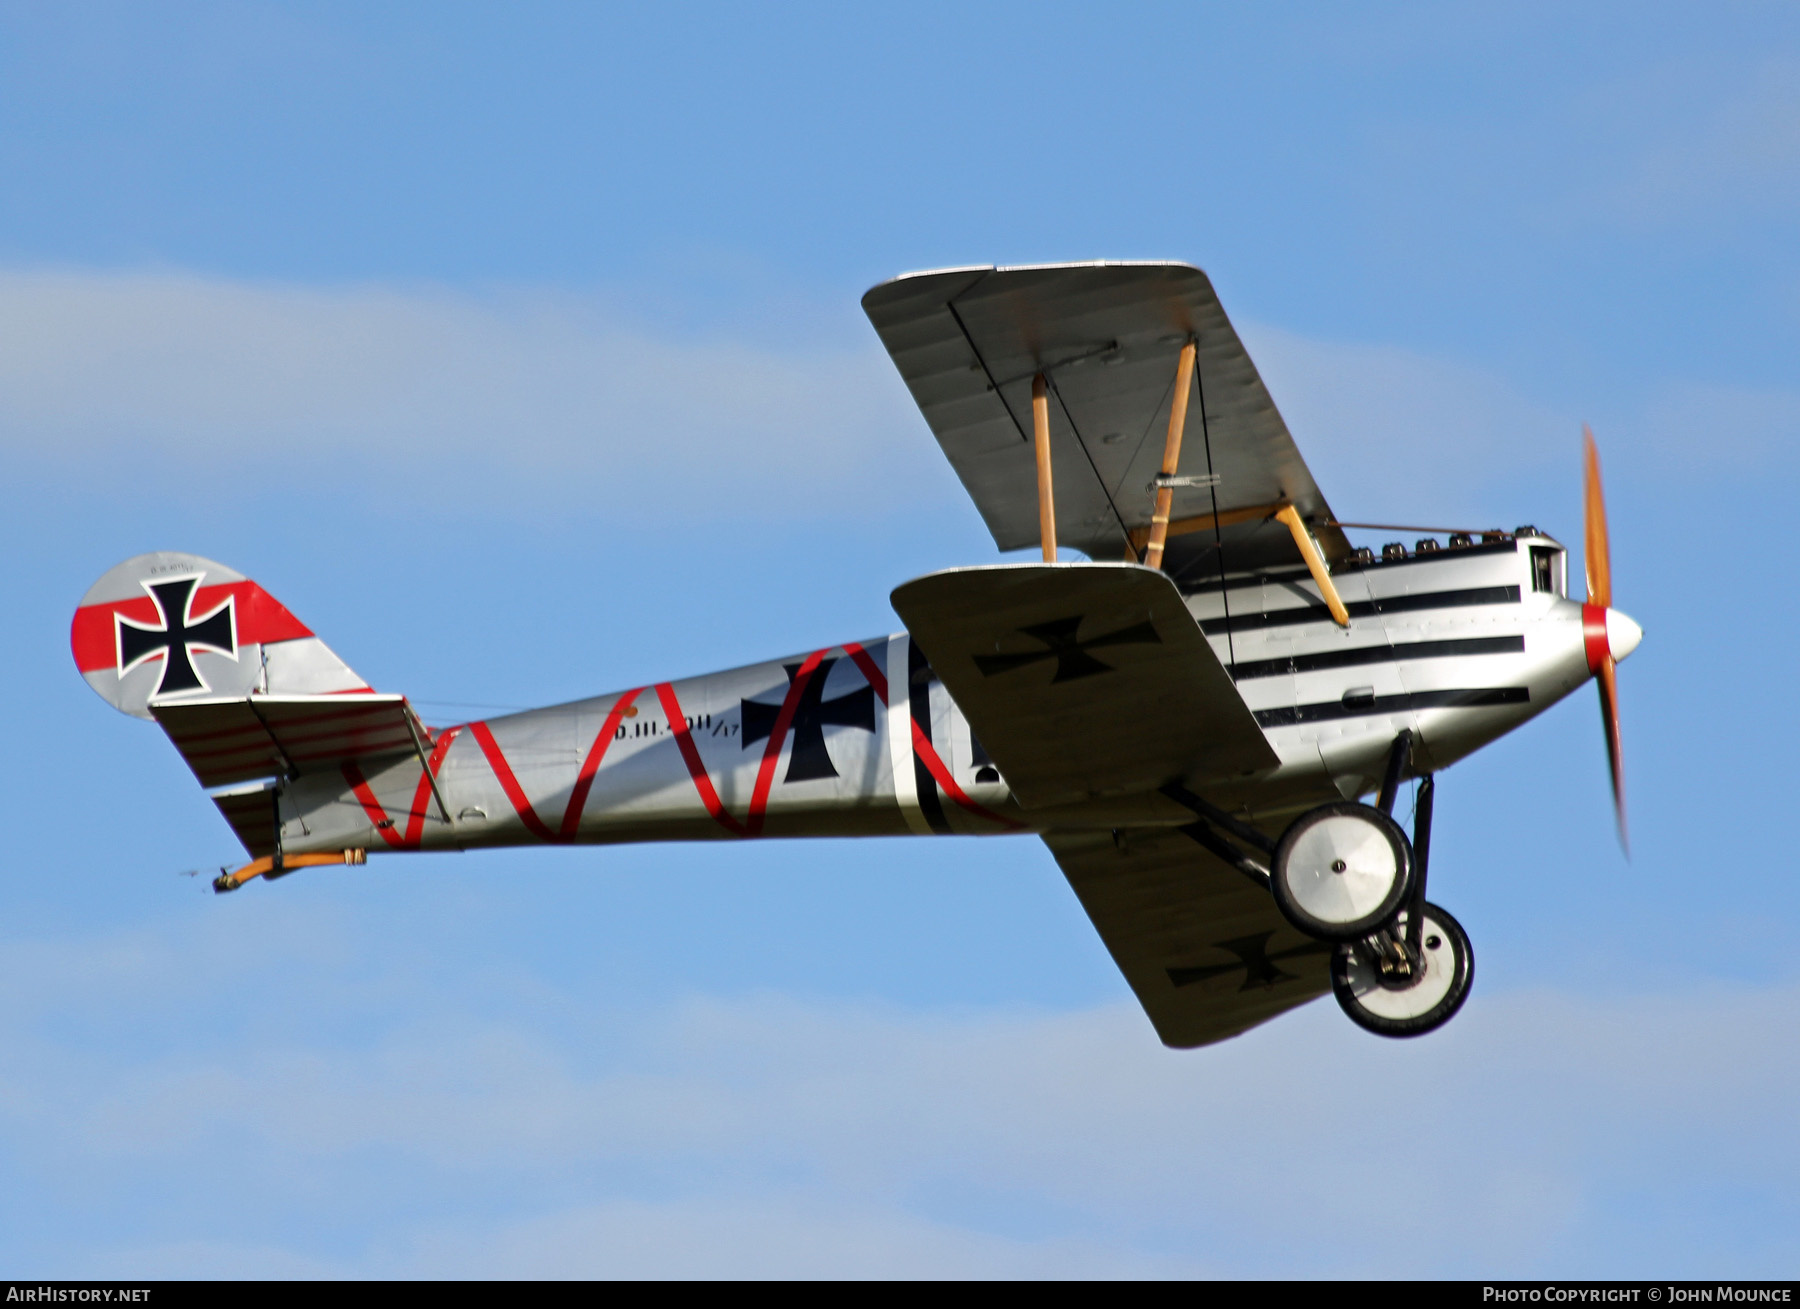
(169, 626)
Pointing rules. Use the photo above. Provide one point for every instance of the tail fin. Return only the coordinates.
(166, 627)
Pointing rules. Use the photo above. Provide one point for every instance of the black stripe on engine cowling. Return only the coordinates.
(1375, 654)
(1363, 706)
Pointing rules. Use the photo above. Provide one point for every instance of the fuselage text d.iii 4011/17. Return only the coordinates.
(1193, 740)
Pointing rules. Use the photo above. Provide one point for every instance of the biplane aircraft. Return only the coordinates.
(1207, 721)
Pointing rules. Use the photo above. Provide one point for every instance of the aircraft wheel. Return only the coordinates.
(1341, 871)
(1390, 1003)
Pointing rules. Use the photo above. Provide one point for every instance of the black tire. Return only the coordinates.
(1381, 1008)
(1305, 893)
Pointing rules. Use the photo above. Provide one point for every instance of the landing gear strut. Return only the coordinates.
(1346, 873)
(1412, 974)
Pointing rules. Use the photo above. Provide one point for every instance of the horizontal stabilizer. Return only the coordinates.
(1083, 680)
(238, 740)
(251, 812)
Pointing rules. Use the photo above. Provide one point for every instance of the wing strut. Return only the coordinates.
(1315, 563)
(1040, 423)
(1165, 486)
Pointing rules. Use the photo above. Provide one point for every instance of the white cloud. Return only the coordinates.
(529, 1135)
(408, 389)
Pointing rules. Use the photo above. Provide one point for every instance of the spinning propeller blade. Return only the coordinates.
(1596, 555)
(1610, 635)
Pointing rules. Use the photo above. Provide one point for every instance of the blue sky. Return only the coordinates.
(517, 349)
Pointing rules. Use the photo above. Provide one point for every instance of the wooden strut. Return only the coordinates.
(273, 866)
(1040, 424)
(1165, 495)
(1315, 563)
(1140, 536)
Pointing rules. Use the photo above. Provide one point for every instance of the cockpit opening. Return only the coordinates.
(1547, 565)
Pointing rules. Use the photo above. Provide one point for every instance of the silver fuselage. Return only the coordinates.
(1461, 646)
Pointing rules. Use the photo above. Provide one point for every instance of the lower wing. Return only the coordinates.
(1204, 947)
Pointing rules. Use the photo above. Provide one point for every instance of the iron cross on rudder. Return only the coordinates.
(178, 637)
(809, 759)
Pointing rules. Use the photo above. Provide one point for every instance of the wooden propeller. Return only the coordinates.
(1597, 559)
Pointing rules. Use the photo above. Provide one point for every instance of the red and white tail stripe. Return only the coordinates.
(170, 626)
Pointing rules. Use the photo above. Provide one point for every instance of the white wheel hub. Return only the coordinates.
(1341, 869)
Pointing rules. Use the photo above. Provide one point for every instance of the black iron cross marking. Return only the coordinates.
(1260, 967)
(809, 759)
(178, 637)
(1071, 655)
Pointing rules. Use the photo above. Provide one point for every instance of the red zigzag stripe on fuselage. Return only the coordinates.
(752, 824)
(765, 771)
(415, 817)
(584, 782)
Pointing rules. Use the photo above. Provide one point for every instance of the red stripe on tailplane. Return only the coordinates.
(313, 716)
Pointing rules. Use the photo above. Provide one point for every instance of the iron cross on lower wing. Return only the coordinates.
(1260, 968)
(1059, 639)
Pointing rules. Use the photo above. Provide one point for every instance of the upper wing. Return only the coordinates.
(1083, 680)
(968, 341)
(1204, 948)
